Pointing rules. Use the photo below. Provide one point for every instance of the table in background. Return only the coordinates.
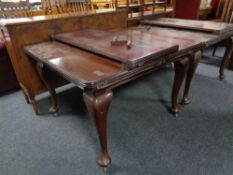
(223, 31)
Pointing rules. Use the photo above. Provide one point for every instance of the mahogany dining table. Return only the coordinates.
(97, 61)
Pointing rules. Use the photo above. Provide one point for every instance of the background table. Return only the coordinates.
(224, 32)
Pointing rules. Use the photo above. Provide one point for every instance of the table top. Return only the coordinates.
(218, 28)
(145, 46)
(89, 70)
(84, 69)
(184, 38)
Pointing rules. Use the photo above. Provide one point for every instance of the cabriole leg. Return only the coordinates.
(193, 62)
(53, 101)
(98, 104)
(181, 68)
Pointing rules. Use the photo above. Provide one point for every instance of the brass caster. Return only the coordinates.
(55, 114)
(176, 115)
(107, 170)
(104, 162)
(185, 101)
(175, 112)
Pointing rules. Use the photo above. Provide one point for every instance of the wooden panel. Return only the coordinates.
(21, 32)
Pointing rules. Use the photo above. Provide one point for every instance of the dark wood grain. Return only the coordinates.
(144, 47)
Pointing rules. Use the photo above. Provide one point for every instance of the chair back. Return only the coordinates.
(229, 11)
(15, 9)
(186, 9)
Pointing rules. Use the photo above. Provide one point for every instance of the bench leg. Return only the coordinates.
(181, 68)
(193, 62)
(25, 93)
(30, 99)
(98, 104)
(34, 104)
(53, 102)
(26, 97)
(227, 54)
